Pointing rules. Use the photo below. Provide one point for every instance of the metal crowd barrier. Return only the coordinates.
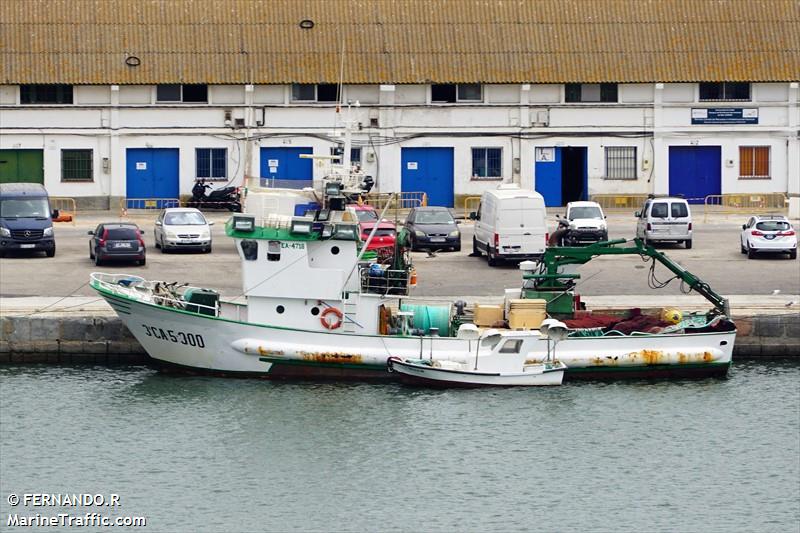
(146, 204)
(619, 201)
(399, 203)
(470, 201)
(744, 203)
(67, 211)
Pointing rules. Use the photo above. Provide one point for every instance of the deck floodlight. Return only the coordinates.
(333, 188)
(302, 225)
(243, 222)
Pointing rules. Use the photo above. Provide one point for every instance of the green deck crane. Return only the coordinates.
(551, 283)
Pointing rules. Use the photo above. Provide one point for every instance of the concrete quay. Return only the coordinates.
(86, 330)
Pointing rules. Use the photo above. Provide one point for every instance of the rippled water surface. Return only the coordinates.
(211, 454)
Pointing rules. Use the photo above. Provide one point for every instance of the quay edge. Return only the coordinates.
(83, 331)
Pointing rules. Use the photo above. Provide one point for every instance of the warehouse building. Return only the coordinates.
(103, 100)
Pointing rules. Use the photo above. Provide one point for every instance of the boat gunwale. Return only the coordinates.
(105, 292)
(475, 373)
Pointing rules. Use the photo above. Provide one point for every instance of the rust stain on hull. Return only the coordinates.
(272, 353)
(331, 357)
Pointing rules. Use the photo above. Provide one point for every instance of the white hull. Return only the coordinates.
(532, 375)
(221, 345)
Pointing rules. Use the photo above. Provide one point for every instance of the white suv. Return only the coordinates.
(585, 223)
(768, 233)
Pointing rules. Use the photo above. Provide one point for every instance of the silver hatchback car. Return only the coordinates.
(183, 228)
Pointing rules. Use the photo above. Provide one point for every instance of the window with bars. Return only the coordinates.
(487, 163)
(754, 162)
(620, 162)
(212, 163)
(725, 91)
(76, 165)
(590, 92)
(45, 94)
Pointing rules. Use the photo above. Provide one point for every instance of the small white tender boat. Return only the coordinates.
(497, 363)
(451, 374)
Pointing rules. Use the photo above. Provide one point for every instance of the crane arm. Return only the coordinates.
(556, 257)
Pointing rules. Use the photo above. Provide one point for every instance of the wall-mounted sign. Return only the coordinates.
(141, 165)
(725, 115)
(272, 162)
(412, 165)
(545, 154)
(273, 170)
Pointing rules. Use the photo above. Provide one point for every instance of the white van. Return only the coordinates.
(510, 224)
(665, 219)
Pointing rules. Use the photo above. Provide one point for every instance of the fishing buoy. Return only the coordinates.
(671, 315)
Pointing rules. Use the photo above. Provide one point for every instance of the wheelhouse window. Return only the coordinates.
(487, 163)
(273, 250)
(754, 162)
(511, 346)
(456, 92)
(590, 92)
(212, 163)
(189, 93)
(76, 165)
(621, 162)
(315, 92)
(725, 91)
(45, 94)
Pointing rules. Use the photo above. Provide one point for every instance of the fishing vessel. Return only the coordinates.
(316, 308)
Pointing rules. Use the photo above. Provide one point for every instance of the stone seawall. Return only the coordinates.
(68, 339)
(98, 336)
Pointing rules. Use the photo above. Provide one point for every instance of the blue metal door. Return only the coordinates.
(283, 167)
(152, 173)
(695, 172)
(547, 175)
(429, 170)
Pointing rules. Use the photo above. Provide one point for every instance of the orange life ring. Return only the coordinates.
(323, 317)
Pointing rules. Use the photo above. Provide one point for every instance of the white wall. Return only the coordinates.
(226, 94)
(136, 94)
(91, 94)
(269, 94)
(8, 96)
(545, 94)
(502, 94)
(411, 94)
(504, 121)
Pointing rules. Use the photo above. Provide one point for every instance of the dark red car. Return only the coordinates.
(368, 218)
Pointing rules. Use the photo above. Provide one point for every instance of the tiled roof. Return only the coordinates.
(398, 41)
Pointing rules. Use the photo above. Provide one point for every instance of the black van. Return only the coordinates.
(26, 222)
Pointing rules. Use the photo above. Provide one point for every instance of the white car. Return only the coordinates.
(665, 219)
(768, 233)
(586, 223)
(182, 228)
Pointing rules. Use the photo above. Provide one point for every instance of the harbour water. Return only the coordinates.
(211, 454)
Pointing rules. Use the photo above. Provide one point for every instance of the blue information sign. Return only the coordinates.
(725, 115)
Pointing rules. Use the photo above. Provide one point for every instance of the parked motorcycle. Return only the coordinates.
(225, 198)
